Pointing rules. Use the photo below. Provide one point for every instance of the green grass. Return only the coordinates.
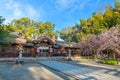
(110, 62)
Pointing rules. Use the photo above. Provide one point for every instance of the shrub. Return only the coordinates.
(110, 62)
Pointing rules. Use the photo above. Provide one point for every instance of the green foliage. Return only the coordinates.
(24, 25)
(45, 29)
(97, 24)
(117, 5)
(1, 20)
(110, 62)
(30, 28)
(5, 37)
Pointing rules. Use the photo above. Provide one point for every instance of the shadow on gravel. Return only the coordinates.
(29, 71)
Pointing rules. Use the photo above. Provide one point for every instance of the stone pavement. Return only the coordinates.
(84, 72)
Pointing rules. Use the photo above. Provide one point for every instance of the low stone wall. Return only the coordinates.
(8, 54)
(31, 59)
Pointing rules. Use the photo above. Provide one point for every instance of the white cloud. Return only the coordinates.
(66, 3)
(84, 3)
(31, 11)
(17, 10)
(17, 13)
(71, 6)
(8, 4)
(79, 4)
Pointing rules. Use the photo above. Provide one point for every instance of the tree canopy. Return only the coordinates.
(5, 37)
(31, 28)
(98, 23)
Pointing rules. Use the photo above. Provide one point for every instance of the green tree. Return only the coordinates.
(5, 38)
(32, 29)
(117, 5)
(24, 25)
(46, 29)
(1, 20)
(97, 24)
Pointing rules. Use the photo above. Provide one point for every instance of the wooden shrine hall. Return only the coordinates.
(41, 47)
(47, 47)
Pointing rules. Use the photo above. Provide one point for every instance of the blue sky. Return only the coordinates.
(62, 13)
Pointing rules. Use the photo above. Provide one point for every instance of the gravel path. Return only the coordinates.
(84, 73)
(28, 71)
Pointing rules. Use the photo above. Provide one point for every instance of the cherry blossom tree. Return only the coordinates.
(109, 40)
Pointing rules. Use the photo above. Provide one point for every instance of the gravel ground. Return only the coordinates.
(84, 72)
(29, 71)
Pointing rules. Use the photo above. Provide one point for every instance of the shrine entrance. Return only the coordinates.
(43, 50)
(44, 46)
